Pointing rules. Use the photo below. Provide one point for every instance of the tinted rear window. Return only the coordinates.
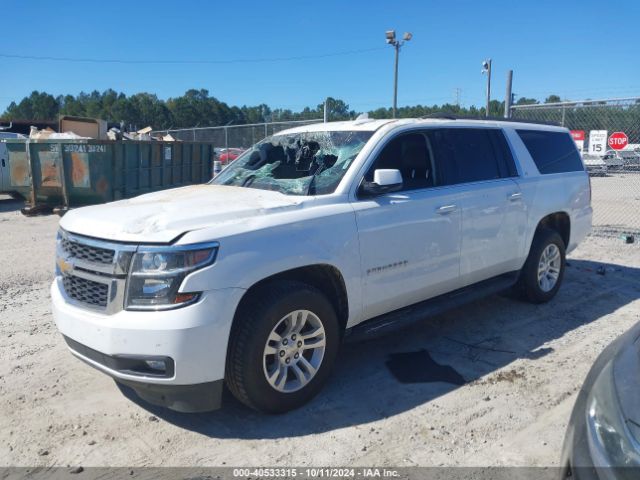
(553, 152)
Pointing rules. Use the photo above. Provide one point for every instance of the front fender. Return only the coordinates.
(251, 256)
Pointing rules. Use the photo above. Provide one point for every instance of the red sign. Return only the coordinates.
(618, 140)
(577, 134)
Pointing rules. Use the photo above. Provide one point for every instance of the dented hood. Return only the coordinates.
(163, 216)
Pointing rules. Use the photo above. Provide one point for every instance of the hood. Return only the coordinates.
(160, 217)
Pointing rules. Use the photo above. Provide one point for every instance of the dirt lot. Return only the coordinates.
(521, 364)
(616, 200)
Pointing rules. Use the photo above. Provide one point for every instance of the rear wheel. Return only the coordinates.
(543, 271)
(283, 344)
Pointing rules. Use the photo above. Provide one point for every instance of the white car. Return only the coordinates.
(595, 165)
(314, 235)
(614, 160)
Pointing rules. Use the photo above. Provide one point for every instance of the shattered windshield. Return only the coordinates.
(309, 163)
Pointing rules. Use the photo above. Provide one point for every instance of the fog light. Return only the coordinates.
(157, 365)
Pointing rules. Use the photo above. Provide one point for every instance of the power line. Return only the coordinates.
(185, 62)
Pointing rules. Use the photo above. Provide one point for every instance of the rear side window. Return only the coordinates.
(468, 155)
(552, 152)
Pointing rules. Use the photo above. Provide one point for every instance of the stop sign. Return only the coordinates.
(618, 140)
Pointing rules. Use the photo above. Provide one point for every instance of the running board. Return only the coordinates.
(406, 316)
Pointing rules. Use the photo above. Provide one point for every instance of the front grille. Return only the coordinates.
(86, 291)
(93, 273)
(87, 253)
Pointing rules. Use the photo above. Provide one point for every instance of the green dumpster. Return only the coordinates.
(72, 173)
(16, 175)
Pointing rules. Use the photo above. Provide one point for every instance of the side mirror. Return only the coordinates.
(384, 181)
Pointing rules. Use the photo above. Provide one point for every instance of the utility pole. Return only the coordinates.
(395, 81)
(457, 92)
(326, 110)
(508, 96)
(486, 68)
(391, 40)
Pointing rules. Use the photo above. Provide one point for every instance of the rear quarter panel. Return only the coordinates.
(546, 194)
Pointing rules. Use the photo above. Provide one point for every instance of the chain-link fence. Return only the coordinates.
(233, 136)
(608, 134)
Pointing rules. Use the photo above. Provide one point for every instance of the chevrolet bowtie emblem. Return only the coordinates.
(64, 266)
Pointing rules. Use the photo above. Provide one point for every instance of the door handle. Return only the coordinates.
(446, 209)
(3, 162)
(515, 196)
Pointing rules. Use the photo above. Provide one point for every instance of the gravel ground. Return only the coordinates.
(616, 203)
(522, 366)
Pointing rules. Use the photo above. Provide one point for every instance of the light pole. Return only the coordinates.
(391, 40)
(325, 114)
(486, 68)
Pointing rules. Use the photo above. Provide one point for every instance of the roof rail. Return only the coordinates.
(521, 120)
(451, 116)
(443, 115)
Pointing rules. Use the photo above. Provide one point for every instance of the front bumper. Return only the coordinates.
(192, 340)
(202, 397)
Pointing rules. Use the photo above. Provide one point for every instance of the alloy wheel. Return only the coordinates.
(294, 351)
(549, 267)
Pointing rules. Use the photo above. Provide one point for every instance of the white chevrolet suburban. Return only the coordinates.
(315, 235)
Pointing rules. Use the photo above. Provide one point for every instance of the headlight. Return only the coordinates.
(610, 442)
(157, 273)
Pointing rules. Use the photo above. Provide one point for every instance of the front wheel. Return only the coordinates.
(543, 271)
(282, 347)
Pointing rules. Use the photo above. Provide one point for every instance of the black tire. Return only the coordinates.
(255, 320)
(528, 284)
